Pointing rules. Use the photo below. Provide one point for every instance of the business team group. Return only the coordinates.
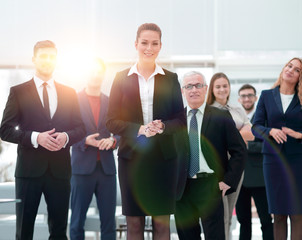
(197, 163)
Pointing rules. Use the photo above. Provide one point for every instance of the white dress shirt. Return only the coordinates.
(250, 114)
(203, 165)
(52, 93)
(53, 103)
(146, 91)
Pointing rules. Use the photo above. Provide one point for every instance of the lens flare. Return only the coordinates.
(74, 67)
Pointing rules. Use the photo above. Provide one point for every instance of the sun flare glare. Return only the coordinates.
(74, 67)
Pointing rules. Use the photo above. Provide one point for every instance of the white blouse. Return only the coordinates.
(238, 114)
(146, 91)
(286, 100)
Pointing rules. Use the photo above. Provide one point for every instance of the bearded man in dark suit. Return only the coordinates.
(253, 185)
(43, 118)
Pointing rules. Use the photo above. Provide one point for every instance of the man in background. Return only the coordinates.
(43, 118)
(93, 166)
(253, 182)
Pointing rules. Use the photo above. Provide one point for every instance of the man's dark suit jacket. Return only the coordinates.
(219, 136)
(83, 158)
(24, 113)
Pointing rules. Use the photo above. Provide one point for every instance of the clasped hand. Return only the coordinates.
(280, 135)
(223, 187)
(152, 128)
(52, 140)
(102, 144)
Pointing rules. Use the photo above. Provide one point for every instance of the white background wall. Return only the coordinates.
(190, 27)
(244, 39)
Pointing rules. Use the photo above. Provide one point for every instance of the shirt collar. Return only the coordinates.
(250, 115)
(201, 108)
(39, 82)
(158, 70)
(218, 105)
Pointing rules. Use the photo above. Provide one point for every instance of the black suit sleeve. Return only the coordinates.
(10, 130)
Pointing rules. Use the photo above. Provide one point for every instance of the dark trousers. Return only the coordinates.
(243, 211)
(201, 201)
(82, 189)
(56, 193)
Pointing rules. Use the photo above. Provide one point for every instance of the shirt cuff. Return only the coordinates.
(34, 139)
(67, 140)
(113, 139)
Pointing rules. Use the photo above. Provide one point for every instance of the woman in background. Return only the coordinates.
(146, 109)
(218, 96)
(278, 121)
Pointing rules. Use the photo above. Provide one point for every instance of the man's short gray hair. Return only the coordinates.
(192, 73)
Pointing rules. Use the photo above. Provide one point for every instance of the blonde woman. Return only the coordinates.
(278, 121)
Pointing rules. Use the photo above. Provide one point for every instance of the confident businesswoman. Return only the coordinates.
(146, 109)
(278, 121)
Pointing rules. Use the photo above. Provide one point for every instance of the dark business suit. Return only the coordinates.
(39, 170)
(147, 166)
(201, 197)
(90, 176)
(253, 187)
(281, 162)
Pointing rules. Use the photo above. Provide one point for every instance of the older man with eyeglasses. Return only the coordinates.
(205, 171)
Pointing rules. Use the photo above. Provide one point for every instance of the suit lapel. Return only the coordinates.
(60, 96)
(205, 120)
(185, 134)
(159, 92)
(277, 98)
(293, 103)
(131, 89)
(85, 108)
(252, 119)
(103, 112)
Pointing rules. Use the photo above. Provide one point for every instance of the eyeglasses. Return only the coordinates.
(249, 96)
(197, 86)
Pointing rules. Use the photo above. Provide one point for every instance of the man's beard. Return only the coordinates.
(250, 108)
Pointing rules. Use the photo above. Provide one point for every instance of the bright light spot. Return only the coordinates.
(75, 66)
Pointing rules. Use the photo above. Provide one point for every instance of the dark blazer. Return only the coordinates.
(83, 158)
(269, 114)
(125, 112)
(253, 171)
(25, 111)
(219, 136)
